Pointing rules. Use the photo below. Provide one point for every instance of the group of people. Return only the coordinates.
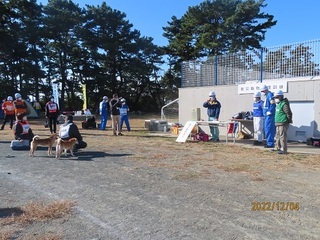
(16, 111)
(118, 109)
(271, 118)
(12, 108)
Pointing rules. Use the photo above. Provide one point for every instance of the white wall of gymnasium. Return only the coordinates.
(303, 94)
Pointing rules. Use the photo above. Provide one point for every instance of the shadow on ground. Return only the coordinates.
(9, 212)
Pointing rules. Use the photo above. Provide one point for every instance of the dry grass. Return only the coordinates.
(185, 162)
(46, 237)
(16, 218)
(159, 151)
(6, 234)
(38, 212)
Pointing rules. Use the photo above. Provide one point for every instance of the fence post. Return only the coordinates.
(182, 76)
(261, 65)
(216, 70)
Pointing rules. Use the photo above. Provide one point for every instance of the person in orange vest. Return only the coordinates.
(22, 129)
(8, 108)
(52, 113)
(20, 105)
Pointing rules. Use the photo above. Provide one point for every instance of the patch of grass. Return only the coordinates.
(43, 237)
(31, 213)
(236, 168)
(186, 176)
(6, 235)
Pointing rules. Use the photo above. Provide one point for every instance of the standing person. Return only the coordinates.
(283, 118)
(103, 110)
(37, 107)
(1, 110)
(258, 118)
(115, 114)
(124, 115)
(19, 105)
(52, 113)
(69, 130)
(22, 129)
(213, 111)
(8, 108)
(269, 110)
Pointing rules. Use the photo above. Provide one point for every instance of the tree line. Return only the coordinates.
(97, 46)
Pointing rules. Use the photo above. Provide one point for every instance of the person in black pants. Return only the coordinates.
(69, 130)
(52, 113)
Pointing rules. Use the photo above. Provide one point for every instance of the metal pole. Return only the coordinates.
(261, 65)
(216, 70)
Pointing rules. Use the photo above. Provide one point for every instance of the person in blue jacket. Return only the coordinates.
(103, 111)
(269, 110)
(258, 118)
(124, 109)
(213, 111)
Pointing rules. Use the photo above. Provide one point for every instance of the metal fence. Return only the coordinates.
(285, 61)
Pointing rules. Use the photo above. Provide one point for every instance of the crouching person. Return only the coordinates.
(70, 130)
(22, 129)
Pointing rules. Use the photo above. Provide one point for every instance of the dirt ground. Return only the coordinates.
(144, 186)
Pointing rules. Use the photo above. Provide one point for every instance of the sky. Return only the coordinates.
(297, 20)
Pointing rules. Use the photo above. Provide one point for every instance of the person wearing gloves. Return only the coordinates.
(103, 111)
(258, 118)
(52, 113)
(124, 109)
(8, 108)
(283, 118)
(213, 111)
(269, 110)
(19, 105)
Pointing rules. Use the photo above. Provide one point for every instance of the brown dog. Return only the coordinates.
(42, 142)
(65, 145)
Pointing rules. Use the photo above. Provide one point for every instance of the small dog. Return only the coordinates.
(65, 145)
(42, 142)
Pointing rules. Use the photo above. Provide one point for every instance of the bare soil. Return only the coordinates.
(146, 186)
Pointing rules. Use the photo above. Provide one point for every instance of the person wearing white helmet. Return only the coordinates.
(213, 111)
(269, 110)
(103, 111)
(124, 117)
(20, 105)
(283, 118)
(8, 108)
(258, 118)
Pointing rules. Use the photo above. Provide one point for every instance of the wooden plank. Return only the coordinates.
(186, 130)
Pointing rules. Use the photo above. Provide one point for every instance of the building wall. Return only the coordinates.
(298, 90)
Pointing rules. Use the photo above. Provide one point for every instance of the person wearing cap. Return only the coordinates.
(258, 118)
(103, 111)
(19, 105)
(269, 110)
(124, 117)
(52, 113)
(8, 108)
(22, 129)
(213, 111)
(70, 130)
(283, 118)
(115, 114)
